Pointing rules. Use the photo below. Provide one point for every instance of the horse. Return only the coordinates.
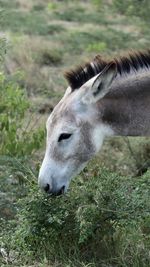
(104, 98)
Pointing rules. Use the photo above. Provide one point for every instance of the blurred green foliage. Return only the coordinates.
(32, 22)
(97, 47)
(15, 139)
(139, 8)
(3, 46)
(49, 57)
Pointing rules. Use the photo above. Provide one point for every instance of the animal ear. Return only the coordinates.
(101, 85)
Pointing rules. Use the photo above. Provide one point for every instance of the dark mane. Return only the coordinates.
(134, 61)
(81, 74)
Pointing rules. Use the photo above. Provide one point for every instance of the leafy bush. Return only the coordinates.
(78, 13)
(22, 22)
(97, 47)
(14, 138)
(97, 40)
(3, 47)
(55, 28)
(104, 218)
(8, 4)
(49, 57)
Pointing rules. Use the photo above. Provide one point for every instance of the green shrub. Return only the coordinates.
(3, 47)
(134, 7)
(79, 14)
(129, 7)
(38, 7)
(52, 6)
(8, 4)
(101, 219)
(97, 47)
(49, 57)
(55, 28)
(14, 138)
(97, 40)
(32, 23)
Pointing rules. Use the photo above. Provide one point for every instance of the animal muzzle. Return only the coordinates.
(48, 189)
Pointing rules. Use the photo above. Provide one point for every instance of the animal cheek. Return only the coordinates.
(79, 121)
(58, 155)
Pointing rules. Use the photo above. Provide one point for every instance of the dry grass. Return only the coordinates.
(37, 59)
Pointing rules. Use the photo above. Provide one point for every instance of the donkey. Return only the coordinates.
(104, 98)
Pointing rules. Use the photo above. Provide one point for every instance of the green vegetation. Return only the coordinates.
(132, 7)
(8, 4)
(104, 219)
(111, 40)
(2, 49)
(15, 138)
(30, 23)
(49, 57)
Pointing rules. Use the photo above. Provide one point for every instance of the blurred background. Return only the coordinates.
(39, 40)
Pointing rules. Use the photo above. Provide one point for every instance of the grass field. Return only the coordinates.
(104, 220)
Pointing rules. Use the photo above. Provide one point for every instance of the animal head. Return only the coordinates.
(75, 131)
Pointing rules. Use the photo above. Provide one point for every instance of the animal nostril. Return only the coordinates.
(47, 188)
(61, 191)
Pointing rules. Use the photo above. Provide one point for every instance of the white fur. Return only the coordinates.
(99, 133)
(55, 174)
(52, 173)
(58, 174)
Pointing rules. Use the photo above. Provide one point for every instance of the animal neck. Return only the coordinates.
(126, 109)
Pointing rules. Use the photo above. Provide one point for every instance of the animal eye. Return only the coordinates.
(64, 136)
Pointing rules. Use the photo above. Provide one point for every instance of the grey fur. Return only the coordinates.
(126, 108)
